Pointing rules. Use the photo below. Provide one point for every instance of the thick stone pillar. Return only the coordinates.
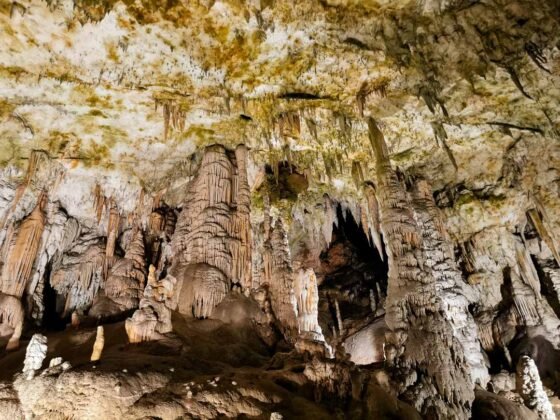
(425, 360)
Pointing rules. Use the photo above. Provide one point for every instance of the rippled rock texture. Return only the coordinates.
(319, 209)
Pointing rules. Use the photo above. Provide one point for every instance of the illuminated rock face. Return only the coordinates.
(212, 242)
(125, 283)
(417, 329)
(351, 202)
(34, 355)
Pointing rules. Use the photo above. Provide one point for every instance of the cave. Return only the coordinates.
(262, 209)
(352, 271)
(52, 316)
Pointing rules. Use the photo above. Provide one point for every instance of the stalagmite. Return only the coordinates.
(212, 243)
(152, 279)
(338, 317)
(249, 225)
(98, 345)
(450, 286)
(22, 254)
(11, 314)
(530, 387)
(153, 317)
(307, 296)
(75, 320)
(280, 280)
(125, 284)
(34, 355)
(426, 360)
(372, 302)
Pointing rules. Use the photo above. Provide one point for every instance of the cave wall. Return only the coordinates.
(373, 185)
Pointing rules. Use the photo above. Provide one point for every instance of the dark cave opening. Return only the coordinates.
(284, 182)
(352, 271)
(52, 319)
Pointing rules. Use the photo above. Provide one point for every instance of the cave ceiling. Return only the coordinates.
(137, 87)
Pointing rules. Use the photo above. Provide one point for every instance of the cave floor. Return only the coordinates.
(193, 356)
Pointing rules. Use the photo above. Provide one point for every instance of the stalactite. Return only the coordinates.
(372, 302)
(544, 233)
(36, 157)
(173, 116)
(525, 300)
(241, 223)
(156, 222)
(357, 173)
(439, 385)
(515, 79)
(527, 269)
(99, 202)
(345, 127)
(289, 124)
(441, 139)
(21, 256)
(112, 230)
(370, 211)
(206, 287)
(330, 219)
(312, 128)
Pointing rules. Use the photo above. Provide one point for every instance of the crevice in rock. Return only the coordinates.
(350, 269)
(54, 305)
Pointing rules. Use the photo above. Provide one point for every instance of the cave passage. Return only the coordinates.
(54, 305)
(351, 270)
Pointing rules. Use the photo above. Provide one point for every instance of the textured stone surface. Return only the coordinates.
(219, 166)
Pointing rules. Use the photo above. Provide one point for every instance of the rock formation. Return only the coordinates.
(12, 316)
(124, 286)
(98, 345)
(153, 317)
(307, 296)
(450, 286)
(279, 277)
(211, 245)
(22, 253)
(320, 209)
(34, 355)
(530, 387)
(437, 386)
